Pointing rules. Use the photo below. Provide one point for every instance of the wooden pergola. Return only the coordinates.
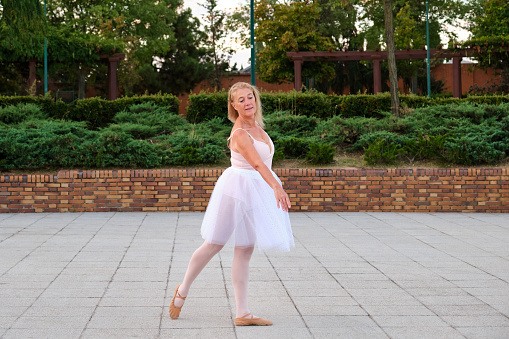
(112, 61)
(377, 56)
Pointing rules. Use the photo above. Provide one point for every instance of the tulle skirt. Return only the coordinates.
(243, 211)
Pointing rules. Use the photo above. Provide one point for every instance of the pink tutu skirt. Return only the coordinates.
(243, 210)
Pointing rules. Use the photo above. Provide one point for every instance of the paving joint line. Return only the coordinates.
(21, 230)
(227, 295)
(336, 280)
(289, 296)
(63, 268)
(169, 272)
(35, 249)
(116, 270)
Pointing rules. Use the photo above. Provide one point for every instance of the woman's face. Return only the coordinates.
(244, 102)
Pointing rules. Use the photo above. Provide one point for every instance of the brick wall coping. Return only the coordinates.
(301, 172)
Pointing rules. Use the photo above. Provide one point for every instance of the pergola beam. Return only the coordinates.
(377, 56)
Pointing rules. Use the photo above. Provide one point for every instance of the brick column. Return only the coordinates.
(297, 62)
(377, 74)
(456, 76)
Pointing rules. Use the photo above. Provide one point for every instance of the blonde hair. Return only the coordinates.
(232, 112)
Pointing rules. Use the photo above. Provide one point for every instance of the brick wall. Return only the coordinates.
(412, 190)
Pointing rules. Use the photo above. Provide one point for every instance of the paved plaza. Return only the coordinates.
(351, 275)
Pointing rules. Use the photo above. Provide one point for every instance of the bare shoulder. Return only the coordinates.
(240, 138)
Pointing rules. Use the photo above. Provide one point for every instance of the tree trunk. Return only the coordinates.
(391, 59)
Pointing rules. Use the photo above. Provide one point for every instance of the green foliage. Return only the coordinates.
(143, 134)
(381, 151)
(285, 27)
(442, 14)
(490, 38)
(466, 134)
(290, 125)
(182, 67)
(320, 154)
(292, 147)
(425, 147)
(338, 130)
(219, 53)
(205, 106)
(99, 112)
(147, 120)
(147, 135)
(50, 108)
(22, 27)
(15, 114)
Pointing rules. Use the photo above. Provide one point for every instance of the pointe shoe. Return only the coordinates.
(250, 320)
(174, 310)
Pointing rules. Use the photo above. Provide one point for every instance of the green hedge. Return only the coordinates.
(99, 112)
(96, 112)
(50, 107)
(205, 106)
(141, 135)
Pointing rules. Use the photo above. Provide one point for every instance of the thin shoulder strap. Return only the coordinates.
(235, 130)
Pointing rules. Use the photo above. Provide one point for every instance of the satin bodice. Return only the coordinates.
(266, 152)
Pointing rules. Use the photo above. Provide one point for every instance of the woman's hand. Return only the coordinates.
(282, 198)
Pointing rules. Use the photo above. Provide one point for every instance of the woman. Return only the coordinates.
(248, 205)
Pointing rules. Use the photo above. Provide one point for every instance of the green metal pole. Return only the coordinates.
(253, 55)
(45, 58)
(427, 42)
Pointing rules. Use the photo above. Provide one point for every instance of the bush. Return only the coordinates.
(146, 134)
(320, 154)
(99, 112)
(290, 125)
(381, 151)
(292, 147)
(37, 144)
(149, 120)
(205, 106)
(21, 112)
(50, 108)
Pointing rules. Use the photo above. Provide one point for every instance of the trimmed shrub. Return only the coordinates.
(50, 108)
(290, 125)
(21, 112)
(292, 147)
(205, 106)
(320, 154)
(100, 112)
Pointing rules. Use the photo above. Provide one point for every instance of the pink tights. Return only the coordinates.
(240, 273)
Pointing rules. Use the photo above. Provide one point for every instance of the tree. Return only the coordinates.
(184, 65)
(410, 28)
(407, 35)
(140, 28)
(289, 27)
(391, 59)
(443, 15)
(22, 28)
(337, 22)
(215, 28)
(490, 30)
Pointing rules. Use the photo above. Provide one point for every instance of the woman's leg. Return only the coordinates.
(199, 260)
(240, 277)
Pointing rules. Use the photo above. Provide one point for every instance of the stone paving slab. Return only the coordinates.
(351, 275)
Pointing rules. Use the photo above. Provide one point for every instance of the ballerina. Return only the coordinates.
(248, 205)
